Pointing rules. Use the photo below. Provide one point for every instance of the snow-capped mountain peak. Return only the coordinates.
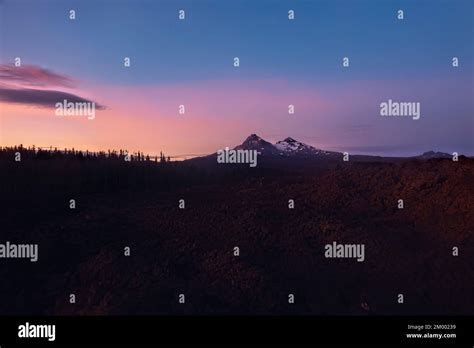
(290, 146)
(286, 147)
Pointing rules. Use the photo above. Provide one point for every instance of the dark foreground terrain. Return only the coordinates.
(191, 251)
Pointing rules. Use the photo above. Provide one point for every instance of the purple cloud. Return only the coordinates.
(41, 98)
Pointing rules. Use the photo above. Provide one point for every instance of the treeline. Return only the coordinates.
(32, 152)
(42, 173)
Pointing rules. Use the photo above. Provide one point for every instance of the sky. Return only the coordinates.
(190, 62)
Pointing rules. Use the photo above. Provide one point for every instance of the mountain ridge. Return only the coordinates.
(292, 147)
(286, 147)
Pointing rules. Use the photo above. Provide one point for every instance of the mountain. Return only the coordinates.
(290, 146)
(286, 147)
(291, 153)
(254, 142)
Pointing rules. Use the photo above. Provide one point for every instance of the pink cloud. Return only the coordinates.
(32, 75)
(17, 83)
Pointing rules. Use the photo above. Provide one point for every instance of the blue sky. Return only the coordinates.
(165, 49)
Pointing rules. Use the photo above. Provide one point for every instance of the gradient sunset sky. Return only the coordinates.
(282, 62)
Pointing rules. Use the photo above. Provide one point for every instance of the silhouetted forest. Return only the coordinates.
(38, 170)
(190, 250)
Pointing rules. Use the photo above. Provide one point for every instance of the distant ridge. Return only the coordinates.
(291, 153)
(291, 147)
(432, 154)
